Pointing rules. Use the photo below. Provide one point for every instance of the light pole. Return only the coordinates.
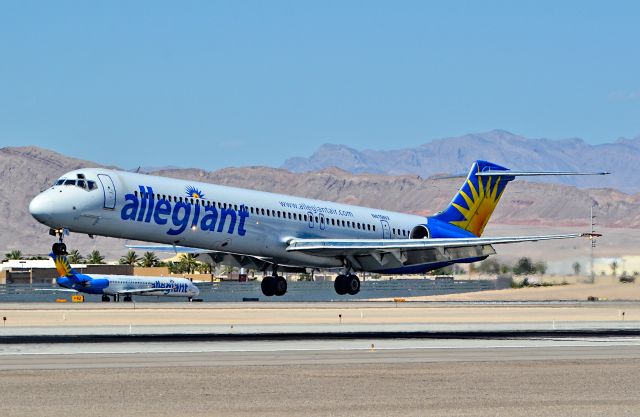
(593, 241)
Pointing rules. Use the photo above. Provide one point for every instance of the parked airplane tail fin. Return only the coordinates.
(63, 266)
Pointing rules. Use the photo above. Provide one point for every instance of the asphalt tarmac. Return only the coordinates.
(354, 377)
(345, 359)
(303, 318)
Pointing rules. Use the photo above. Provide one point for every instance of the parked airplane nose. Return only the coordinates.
(41, 208)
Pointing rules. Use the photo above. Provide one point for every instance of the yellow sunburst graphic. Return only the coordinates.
(480, 204)
(194, 192)
(62, 266)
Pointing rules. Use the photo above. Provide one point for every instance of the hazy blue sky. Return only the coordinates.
(214, 84)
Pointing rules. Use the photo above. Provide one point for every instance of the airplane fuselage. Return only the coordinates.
(120, 284)
(208, 216)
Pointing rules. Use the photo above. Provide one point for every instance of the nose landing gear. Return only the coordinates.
(59, 248)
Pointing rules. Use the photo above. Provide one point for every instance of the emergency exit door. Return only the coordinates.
(386, 232)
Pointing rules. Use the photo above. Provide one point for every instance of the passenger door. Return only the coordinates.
(109, 191)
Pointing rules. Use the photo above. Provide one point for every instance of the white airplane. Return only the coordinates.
(119, 285)
(276, 232)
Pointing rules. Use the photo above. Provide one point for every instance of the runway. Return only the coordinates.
(310, 352)
(342, 359)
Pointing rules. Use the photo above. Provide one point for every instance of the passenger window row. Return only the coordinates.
(401, 232)
(263, 212)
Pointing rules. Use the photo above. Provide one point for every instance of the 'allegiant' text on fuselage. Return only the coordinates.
(171, 286)
(147, 209)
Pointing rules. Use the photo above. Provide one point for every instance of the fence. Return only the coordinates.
(297, 291)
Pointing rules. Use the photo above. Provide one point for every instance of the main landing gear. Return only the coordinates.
(274, 285)
(116, 298)
(347, 284)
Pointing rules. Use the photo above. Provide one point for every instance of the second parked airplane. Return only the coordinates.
(118, 286)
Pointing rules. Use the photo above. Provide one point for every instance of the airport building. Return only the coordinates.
(44, 272)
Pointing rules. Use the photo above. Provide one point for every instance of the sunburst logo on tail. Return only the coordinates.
(62, 265)
(480, 200)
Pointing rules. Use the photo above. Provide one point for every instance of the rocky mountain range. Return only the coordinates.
(454, 156)
(25, 171)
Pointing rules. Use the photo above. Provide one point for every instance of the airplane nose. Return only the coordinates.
(41, 208)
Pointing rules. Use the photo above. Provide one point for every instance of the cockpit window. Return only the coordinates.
(82, 183)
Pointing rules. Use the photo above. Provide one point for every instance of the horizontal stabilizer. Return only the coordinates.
(490, 173)
(494, 173)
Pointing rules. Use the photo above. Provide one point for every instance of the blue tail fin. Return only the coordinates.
(474, 203)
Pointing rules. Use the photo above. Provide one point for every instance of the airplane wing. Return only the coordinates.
(227, 258)
(360, 246)
(376, 254)
(159, 291)
(167, 248)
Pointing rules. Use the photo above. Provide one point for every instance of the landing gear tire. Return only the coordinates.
(280, 286)
(59, 249)
(106, 299)
(274, 285)
(267, 286)
(127, 299)
(340, 284)
(353, 284)
(347, 284)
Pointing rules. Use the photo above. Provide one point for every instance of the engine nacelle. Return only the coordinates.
(420, 232)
